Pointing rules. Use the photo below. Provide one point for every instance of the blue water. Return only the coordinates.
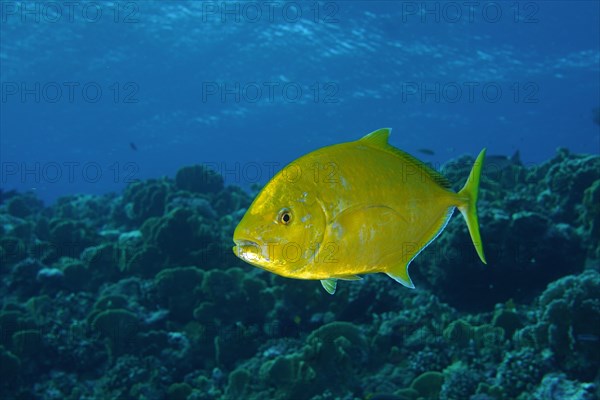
(98, 94)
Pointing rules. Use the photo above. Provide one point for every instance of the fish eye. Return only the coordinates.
(285, 216)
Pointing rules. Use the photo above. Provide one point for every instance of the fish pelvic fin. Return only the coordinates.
(468, 207)
(329, 285)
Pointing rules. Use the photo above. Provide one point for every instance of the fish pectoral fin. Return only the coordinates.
(349, 277)
(368, 220)
(329, 285)
(399, 273)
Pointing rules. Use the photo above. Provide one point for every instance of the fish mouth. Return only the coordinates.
(249, 250)
(241, 243)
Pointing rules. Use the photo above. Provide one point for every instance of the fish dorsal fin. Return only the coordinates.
(329, 285)
(436, 176)
(379, 139)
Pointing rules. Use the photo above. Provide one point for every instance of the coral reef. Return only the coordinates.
(569, 323)
(138, 295)
(536, 223)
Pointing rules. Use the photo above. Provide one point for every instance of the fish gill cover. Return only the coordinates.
(135, 135)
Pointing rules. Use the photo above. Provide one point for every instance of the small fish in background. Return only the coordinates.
(596, 115)
(350, 209)
(133, 146)
(587, 337)
(427, 151)
(501, 162)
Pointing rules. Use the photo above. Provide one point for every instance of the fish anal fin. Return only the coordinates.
(399, 273)
(349, 277)
(329, 285)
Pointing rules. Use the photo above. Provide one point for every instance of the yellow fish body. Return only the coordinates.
(350, 209)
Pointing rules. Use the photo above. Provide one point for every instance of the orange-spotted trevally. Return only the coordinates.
(350, 209)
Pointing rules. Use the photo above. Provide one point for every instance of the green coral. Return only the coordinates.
(198, 179)
(22, 228)
(463, 334)
(27, 343)
(229, 201)
(102, 260)
(83, 207)
(17, 207)
(179, 391)
(13, 250)
(119, 327)
(70, 237)
(76, 274)
(23, 205)
(145, 261)
(231, 292)
(520, 370)
(219, 284)
(111, 302)
(459, 332)
(332, 358)
(45, 251)
(460, 382)
(235, 305)
(507, 319)
(569, 311)
(12, 321)
(590, 217)
(39, 309)
(24, 277)
(177, 290)
(568, 176)
(10, 367)
(428, 384)
(338, 351)
(184, 237)
(237, 384)
(406, 394)
(292, 375)
(143, 200)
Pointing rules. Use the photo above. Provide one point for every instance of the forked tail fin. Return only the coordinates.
(468, 208)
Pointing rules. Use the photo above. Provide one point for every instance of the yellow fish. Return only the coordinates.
(350, 209)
